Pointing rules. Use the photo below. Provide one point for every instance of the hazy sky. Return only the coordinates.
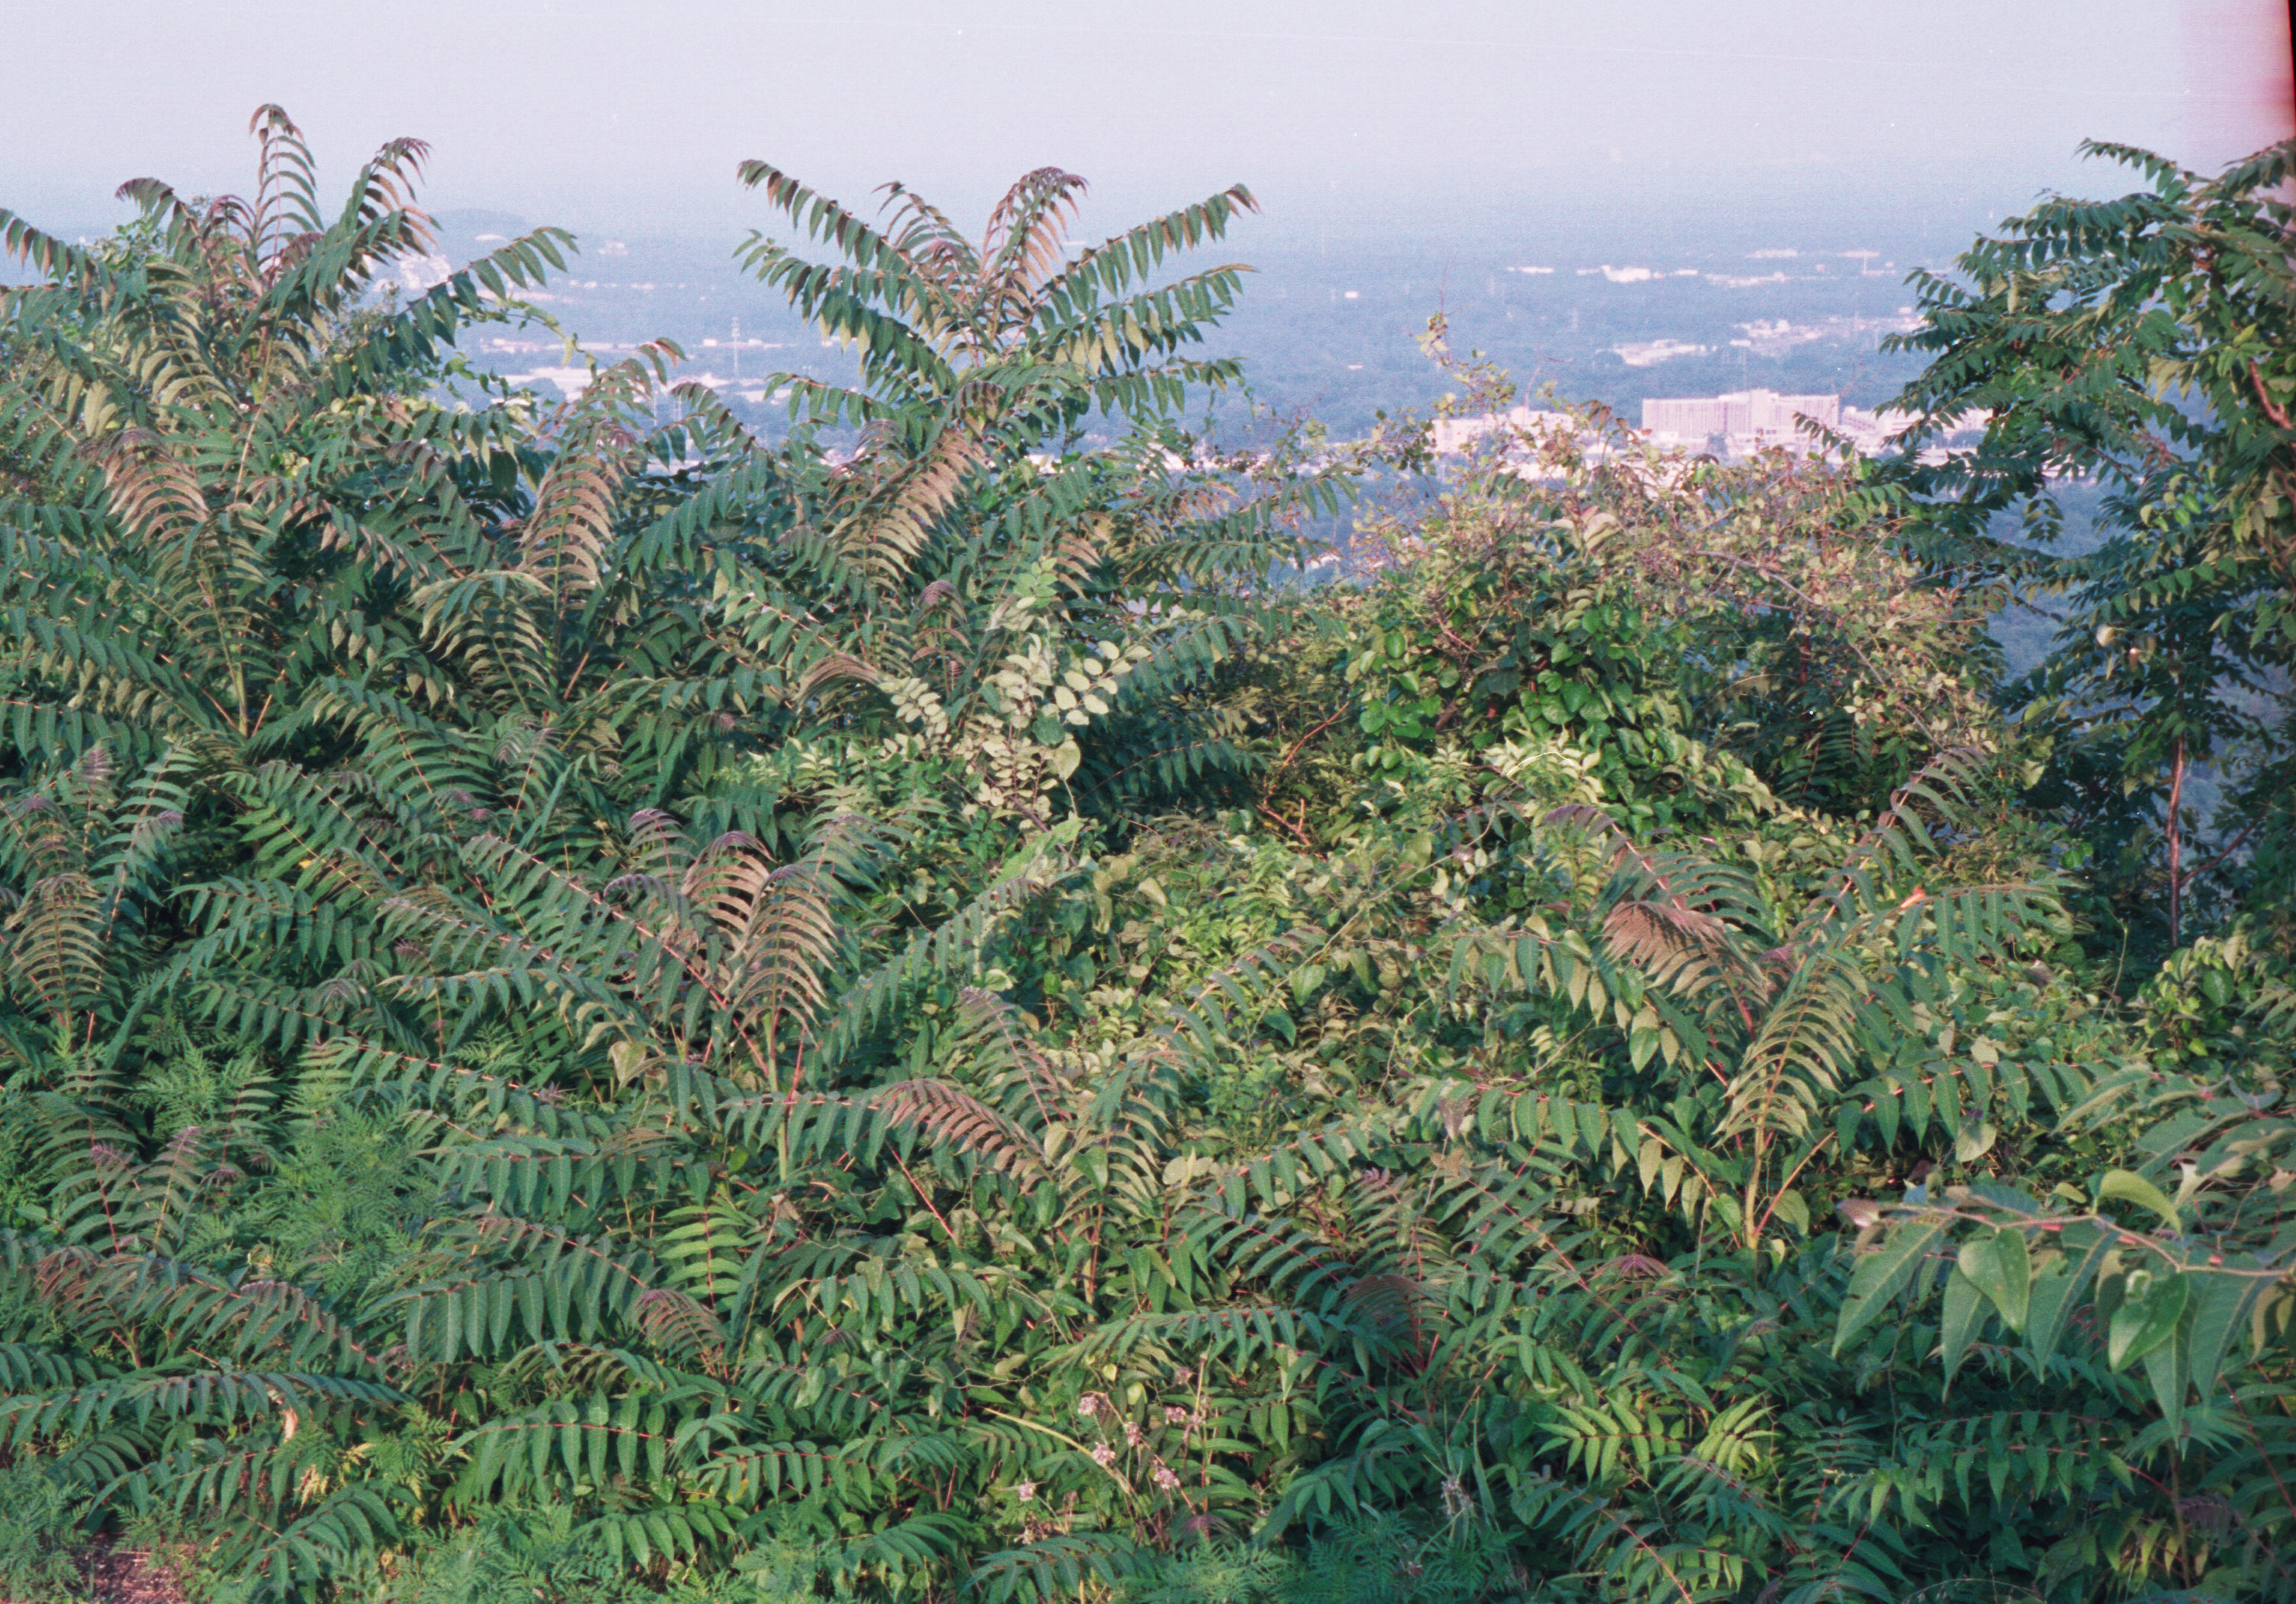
(630, 118)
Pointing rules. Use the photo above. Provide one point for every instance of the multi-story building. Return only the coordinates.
(1455, 435)
(1754, 418)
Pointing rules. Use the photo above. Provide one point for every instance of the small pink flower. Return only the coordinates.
(1102, 1454)
(1174, 1415)
(1088, 1405)
(1164, 1478)
(1027, 1492)
(1132, 1437)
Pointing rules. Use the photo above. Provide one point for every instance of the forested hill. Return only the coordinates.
(602, 1005)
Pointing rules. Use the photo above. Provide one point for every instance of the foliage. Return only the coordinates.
(2140, 342)
(36, 1559)
(1561, 582)
(595, 1010)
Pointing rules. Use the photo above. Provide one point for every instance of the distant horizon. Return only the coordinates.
(1931, 227)
(1455, 119)
(1286, 216)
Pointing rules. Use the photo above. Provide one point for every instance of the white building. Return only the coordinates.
(1757, 418)
(1456, 435)
(1750, 421)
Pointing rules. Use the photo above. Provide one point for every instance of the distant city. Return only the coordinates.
(1329, 333)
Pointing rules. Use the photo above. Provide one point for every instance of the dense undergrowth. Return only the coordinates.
(599, 1010)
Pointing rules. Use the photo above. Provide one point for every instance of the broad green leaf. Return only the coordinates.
(1964, 1310)
(628, 1059)
(2134, 1188)
(2168, 1367)
(2150, 1308)
(2273, 1313)
(2001, 1267)
(2222, 1304)
(2057, 1291)
(1793, 1209)
(1883, 1273)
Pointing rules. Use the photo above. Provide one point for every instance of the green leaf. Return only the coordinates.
(2001, 1267)
(1883, 1273)
(2150, 1308)
(2057, 1291)
(1965, 1310)
(2222, 1304)
(628, 1059)
(1794, 1209)
(2134, 1188)
(2166, 1366)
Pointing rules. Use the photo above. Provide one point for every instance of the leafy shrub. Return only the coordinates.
(636, 1015)
(37, 1534)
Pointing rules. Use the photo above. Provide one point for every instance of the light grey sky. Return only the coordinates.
(628, 117)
